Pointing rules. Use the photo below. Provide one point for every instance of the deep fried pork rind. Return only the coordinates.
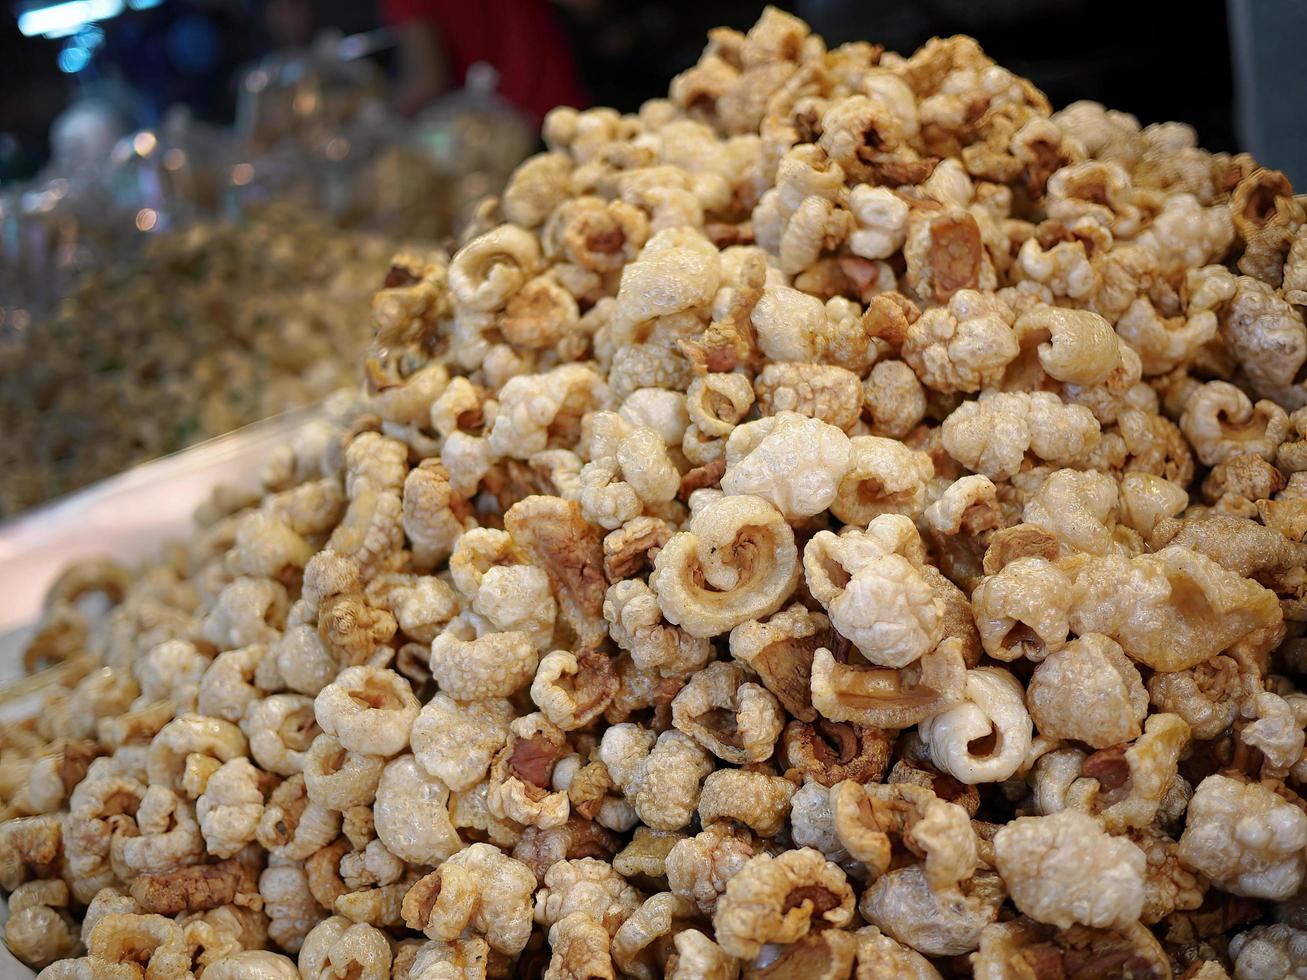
(844, 519)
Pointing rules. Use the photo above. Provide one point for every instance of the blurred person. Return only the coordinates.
(523, 40)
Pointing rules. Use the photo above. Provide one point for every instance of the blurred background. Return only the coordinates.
(197, 196)
(133, 60)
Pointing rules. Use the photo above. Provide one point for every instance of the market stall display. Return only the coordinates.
(203, 278)
(208, 330)
(313, 131)
(842, 519)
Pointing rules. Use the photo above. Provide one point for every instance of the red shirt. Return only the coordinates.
(522, 39)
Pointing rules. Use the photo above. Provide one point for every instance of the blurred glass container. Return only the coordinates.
(314, 130)
(305, 95)
(475, 138)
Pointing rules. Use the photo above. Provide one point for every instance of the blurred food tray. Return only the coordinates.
(129, 517)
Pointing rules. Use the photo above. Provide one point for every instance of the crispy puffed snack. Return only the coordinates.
(844, 519)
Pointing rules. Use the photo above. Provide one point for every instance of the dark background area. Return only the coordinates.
(1173, 61)
(1159, 60)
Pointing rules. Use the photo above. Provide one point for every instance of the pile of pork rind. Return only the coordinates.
(844, 519)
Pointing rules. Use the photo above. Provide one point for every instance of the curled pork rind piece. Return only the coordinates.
(430, 513)
(1076, 347)
(369, 710)
(780, 650)
(480, 889)
(778, 899)
(1023, 610)
(587, 885)
(458, 959)
(677, 270)
(880, 956)
(1088, 691)
(543, 411)
(868, 820)
(490, 268)
(964, 346)
(1145, 500)
(1278, 950)
(1267, 337)
(629, 550)
(1245, 838)
(553, 534)
(660, 775)
(581, 948)
(699, 958)
(944, 253)
(536, 187)
(291, 909)
(29, 844)
(412, 813)
(1165, 342)
(495, 665)
(257, 964)
(819, 391)
(984, 737)
(636, 945)
(574, 689)
(293, 827)
(735, 719)
(1080, 510)
(187, 735)
(1168, 885)
(812, 822)
(456, 741)
(993, 435)
(128, 939)
(1135, 783)
(894, 399)
(230, 808)
(1275, 731)
(759, 801)
(886, 477)
(902, 904)
(339, 779)
(39, 931)
(735, 561)
(795, 463)
(1221, 422)
(521, 782)
(967, 505)
(823, 954)
(699, 867)
(1207, 697)
(636, 625)
(337, 947)
(829, 752)
(1065, 868)
(716, 403)
(168, 836)
(885, 697)
(874, 591)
